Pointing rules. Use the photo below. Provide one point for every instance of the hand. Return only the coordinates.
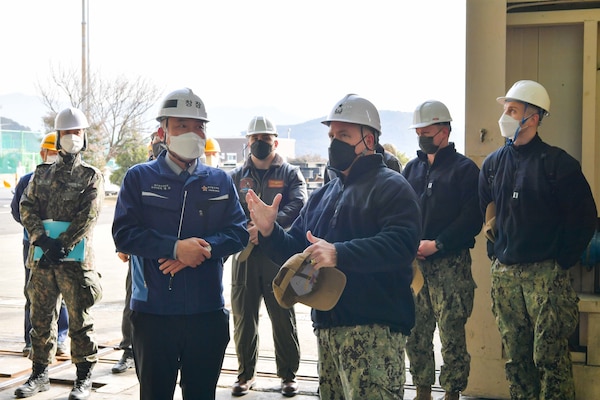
(426, 248)
(322, 253)
(263, 215)
(122, 256)
(52, 248)
(169, 266)
(253, 231)
(44, 263)
(193, 251)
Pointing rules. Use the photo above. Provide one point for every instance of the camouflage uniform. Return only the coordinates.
(69, 191)
(370, 358)
(536, 311)
(447, 190)
(446, 297)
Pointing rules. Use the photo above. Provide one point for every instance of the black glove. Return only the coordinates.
(52, 248)
(44, 263)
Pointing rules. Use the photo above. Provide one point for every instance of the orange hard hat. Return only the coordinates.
(212, 145)
(49, 141)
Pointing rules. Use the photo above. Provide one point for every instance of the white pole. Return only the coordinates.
(84, 55)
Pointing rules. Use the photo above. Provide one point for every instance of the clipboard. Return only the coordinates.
(55, 228)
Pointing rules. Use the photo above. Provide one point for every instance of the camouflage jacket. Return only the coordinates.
(63, 191)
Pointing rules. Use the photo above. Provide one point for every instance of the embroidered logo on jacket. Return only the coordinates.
(211, 189)
(246, 184)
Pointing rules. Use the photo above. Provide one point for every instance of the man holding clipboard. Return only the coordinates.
(59, 210)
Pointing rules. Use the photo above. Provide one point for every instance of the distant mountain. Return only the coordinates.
(8, 124)
(26, 110)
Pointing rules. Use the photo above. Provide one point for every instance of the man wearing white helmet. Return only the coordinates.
(367, 223)
(267, 174)
(63, 198)
(545, 216)
(178, 219)
(446, 183)
(49, 154)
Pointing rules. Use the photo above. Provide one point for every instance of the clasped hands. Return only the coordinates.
(191, 252)
(53, 251)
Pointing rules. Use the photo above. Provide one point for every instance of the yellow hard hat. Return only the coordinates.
(212, 145)
(49, 141)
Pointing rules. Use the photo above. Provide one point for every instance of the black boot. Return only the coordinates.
(38, 382)
(124, 363)
(83, 384)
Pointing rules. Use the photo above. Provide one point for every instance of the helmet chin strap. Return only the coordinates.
(67, 157)
(510, 141)
(362, 139)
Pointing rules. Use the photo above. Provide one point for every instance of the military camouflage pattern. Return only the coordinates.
(63, 192)
(536, 311)
(81, 290)
(446, 299)
(71, 192)
(363, 362)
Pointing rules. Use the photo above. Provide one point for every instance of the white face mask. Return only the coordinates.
(72, 144)
(51, 158)
(187, 145)
(508, 126)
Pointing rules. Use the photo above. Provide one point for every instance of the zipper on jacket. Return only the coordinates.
(179, 233)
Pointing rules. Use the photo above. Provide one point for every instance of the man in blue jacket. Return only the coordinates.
(367, 223)
(179, 218)
(446, 183)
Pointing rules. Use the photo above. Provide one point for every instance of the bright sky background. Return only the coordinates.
(299, 57)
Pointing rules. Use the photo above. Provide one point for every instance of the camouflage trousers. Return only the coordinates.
(446, 299)
(80, 290)
(536, 311)
(361, 362)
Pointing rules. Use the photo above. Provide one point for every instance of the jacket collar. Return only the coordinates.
(441, 155)
(530, 146)
(362, 165)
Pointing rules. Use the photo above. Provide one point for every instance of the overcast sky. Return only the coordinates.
(297, 56)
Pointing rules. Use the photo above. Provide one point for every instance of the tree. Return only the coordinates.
(132, 153)
(116, 110)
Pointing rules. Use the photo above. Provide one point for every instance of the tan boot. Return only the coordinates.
(423, 393)
(452, 396)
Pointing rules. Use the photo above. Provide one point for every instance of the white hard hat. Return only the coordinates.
(182, 103)
(261, 125)
(355, 110)
(430, 112)
(528, 92)
(70, 118)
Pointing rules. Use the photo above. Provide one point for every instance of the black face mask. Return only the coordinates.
(426, 144)
(260, 149)
(341, 154)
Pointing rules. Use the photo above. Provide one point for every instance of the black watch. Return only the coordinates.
(439, 245)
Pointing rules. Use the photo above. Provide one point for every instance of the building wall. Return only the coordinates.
(485, 76)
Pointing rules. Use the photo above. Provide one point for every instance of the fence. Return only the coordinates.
(19, 151)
